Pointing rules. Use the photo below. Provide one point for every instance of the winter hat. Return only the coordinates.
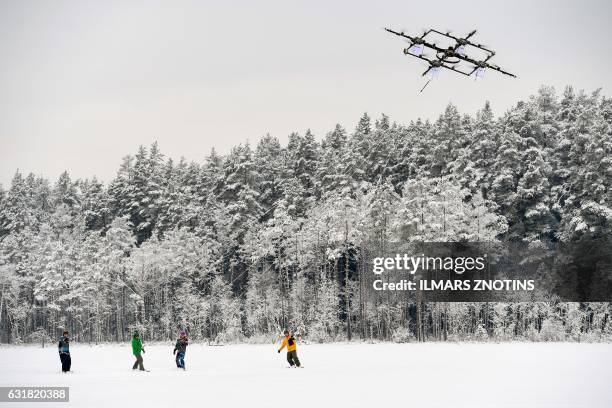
(136, 334)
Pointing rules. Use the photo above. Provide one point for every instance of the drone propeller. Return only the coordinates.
(434, 71)
(479, 73)
(415, 49)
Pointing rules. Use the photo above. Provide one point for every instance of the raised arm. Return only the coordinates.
(283, 344)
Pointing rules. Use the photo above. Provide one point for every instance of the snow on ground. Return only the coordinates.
(335, 375)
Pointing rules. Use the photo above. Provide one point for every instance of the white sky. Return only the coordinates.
(83, 83)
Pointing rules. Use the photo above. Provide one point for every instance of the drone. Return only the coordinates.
(450, 57)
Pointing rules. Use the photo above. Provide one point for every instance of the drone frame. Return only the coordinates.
(442, 54)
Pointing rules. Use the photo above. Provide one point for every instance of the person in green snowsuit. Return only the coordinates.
(137, 348)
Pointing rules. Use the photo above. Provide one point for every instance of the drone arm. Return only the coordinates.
(391, 31)
(452, 68)
(493, 67)
(491, 52)
(445, 34)
(473, 70)
(503, 72)
(482, 47)
(400, 34)
(421, 57)
(425, 33)
(424, 59)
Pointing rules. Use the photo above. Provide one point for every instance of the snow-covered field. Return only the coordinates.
(335, 375)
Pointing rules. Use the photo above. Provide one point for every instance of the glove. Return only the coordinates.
(174, 352)
(143, 351)
(279, 351)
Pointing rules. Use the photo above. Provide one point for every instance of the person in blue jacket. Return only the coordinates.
(180, 348)
(64, 352)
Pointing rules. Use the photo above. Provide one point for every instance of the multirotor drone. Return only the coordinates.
(454, 57)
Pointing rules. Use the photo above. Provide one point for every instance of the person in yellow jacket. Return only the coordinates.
(291, 344)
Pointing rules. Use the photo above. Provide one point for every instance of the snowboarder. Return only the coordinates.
(64, 352)
(137, 348)
(180, 348)
(291, 344)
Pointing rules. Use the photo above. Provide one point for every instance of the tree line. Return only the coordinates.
(240, 246)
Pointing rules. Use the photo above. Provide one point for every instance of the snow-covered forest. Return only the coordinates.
(235, 248)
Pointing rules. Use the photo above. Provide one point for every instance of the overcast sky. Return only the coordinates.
(84, 83)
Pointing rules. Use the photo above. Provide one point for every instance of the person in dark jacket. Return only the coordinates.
(180, 348)
(64, 352)
(137, 349)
